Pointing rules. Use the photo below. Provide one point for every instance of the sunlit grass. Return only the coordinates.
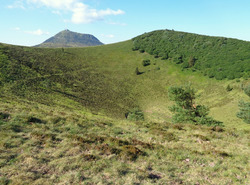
(69, 147)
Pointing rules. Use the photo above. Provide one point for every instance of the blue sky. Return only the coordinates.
(30, 22)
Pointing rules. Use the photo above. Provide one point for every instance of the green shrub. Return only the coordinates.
(4, 181)
(135, 115)
(191, 61)
(32, 119)
(247, 90)
(244, 112)
(178, 59)
(141, 50)
(134, 49)
(137, 72)
(4, 115)
(146, 62)
(165, 56)
(229, 88)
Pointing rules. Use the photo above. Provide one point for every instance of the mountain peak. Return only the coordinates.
(66, 30)
(67, 38)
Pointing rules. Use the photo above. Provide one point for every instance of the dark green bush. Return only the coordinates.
(244, 112)
(137, 72)
(141, 50)
(135, 115)
(229, 88)
(32, 119)
(4, 115)
(146, 62)
(247, 90)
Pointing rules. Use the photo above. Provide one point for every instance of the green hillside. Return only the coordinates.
(67, 38)
(103, 79)
(217, 57)
(62, 120)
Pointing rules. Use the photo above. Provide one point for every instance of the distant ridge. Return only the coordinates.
(67, 38)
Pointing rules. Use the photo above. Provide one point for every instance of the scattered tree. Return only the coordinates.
(244, 112)
(185, 109)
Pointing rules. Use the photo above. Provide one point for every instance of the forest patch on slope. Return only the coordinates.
(217, 57)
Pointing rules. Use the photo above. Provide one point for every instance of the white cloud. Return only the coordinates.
(17, 29)
(37, 32)
(81, 13)
(17, 4)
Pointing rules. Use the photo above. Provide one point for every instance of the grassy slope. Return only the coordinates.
(103, 79)
(150, 89)
(56, 145)
(51, 136)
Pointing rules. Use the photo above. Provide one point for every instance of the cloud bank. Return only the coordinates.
(81, 13)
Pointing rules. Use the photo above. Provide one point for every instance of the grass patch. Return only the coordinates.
(105, 150)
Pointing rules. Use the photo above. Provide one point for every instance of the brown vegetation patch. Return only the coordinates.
(217, 129)
(178, 127)
(203, 138)
(143, 144)
(118, 141)
(43, 136)
(87, 139)
(89, 157)
(106, 149)
(130, 152)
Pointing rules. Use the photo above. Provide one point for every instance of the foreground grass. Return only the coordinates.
(42, 144)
